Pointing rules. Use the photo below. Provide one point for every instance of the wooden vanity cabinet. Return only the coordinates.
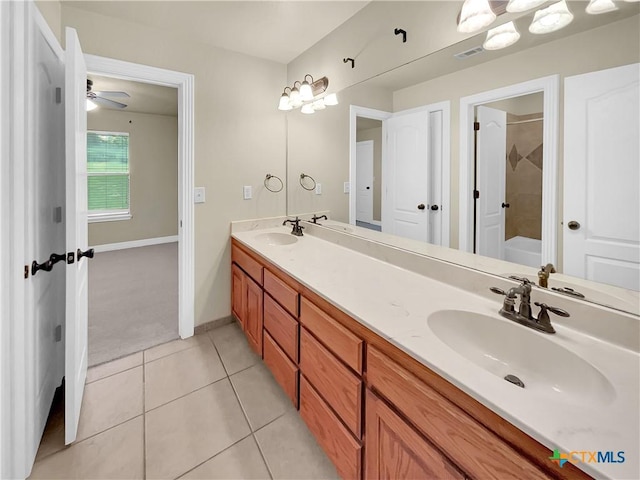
(247, 306)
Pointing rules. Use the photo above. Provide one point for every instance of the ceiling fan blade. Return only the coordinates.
(105, 102)
(112, 94)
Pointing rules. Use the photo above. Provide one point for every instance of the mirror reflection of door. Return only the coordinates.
(364, 182)
(368, 172)
(508, 223)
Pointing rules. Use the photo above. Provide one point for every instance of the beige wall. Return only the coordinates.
(319, 146)
(239, 135)
(605, 47)
(153, 170)
(375, 134)
(51, 10)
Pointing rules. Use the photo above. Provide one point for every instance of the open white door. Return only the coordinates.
(405, 176)
(364, 181)
(76, 330)
(601, 225)
(491, 171)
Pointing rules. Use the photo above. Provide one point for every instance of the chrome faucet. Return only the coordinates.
(297, 229)
(523, 316)
(315, 218)
(543, 274)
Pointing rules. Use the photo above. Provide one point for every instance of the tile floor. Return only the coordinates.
(205, 407)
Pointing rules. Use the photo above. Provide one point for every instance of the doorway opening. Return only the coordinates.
(368, 173)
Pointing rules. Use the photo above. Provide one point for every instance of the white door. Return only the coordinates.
(490, 174)
(364, 181)
(76, 225)
(601, 224)
(436, 157)
(405, 176)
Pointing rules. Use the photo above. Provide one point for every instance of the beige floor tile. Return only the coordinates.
(116, 366)
(262, 399)
(242, 460)
(117, 453)
(291, 452)
(110, 401)
(186, 432)
(233, 348)
(175, 346)
(176, 375)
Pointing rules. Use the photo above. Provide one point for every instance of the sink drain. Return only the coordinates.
(515, 380)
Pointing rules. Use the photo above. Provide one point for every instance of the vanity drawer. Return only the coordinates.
(283, 369)
(248, 264)
(334, 438)
(344, 344)
(281, 292)
(476, 450)
(340, 388)
(282, 327)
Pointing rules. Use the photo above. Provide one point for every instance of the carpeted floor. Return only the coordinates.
(133, 300)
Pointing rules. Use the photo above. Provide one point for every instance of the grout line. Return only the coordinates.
(188, 393)
(169, 354)
(264, 459)
(214, 456)
(144, 419)
(113, 374)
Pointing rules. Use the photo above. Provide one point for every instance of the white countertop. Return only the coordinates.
(396, 303)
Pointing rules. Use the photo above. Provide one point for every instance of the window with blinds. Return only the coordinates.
(108, 175)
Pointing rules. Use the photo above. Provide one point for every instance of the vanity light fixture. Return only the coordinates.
(552, 18)
(331, 100)
(295, 98)
(596, 7)
(307, 108)
(319, 104)
(501, 37)
(308, 95)
(517, 6)
(91, 105)
(305, 89)
(285, 103)
(475, 15)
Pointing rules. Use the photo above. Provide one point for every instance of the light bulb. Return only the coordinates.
(475, 15)
(295, 98)
(501, 37)
(552, 18)
(284, 104)
(305, 91)
(91, 105)
(307, 109)
(331, 100)
(517, 6)
(318, 105)
(600, 6)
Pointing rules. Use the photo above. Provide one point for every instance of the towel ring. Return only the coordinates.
(302, 177)
(266, 183)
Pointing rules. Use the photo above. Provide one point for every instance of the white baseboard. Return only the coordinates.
(109, 247)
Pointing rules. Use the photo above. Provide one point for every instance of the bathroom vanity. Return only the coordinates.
(377, 348)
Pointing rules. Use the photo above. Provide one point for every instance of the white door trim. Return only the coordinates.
(445, 211)
(354, 112)
(550, 86)
(184, 82)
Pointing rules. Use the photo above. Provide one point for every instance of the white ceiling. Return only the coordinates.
(274, 30)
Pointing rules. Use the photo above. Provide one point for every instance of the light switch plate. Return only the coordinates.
(199, 195)
(248, 192)
(347, 187)
(318, 189)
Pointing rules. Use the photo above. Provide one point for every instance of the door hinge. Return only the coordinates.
(476, 194)
(58, 95)
(71, 258)
(26, 271)
(476, 126)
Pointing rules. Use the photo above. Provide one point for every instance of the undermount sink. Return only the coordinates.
(275, 238)
(504, 348)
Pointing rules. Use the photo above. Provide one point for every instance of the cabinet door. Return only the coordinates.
(253, 314)
(237, 297)
(394, 450)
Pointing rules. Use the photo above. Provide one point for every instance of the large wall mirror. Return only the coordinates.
(402, 154)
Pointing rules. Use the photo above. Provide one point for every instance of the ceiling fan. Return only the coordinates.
(98, 97)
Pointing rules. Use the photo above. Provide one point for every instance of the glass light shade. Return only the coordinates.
(307, 109)
(501, 37)
(294, 97)
(517, 6)
(475, 15)
(552, 18)
(600, 6)
(331, 100)
(305, 91)
(284, 104)
(91, 105)
(318, 105)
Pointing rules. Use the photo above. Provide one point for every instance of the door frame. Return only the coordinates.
(550, 87)
(356, 111)
(184, 82)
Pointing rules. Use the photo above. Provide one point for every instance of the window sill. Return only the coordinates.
(108, 217)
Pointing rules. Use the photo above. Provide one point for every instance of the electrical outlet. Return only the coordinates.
(199, 195)
(347, 187)
(318, 189)
(248, 192)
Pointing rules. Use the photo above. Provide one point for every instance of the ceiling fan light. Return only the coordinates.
(307, 109)
(501, 37)
(552, 18)
(331, 100)
(596, 7)
(475, 15)
(517, 6)
(91, 105)
(284, 104)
